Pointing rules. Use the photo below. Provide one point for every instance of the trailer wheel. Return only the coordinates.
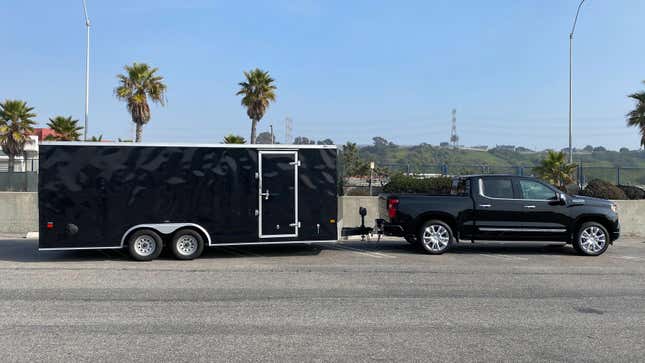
(187, 244)
(435, 237)
(145, 245)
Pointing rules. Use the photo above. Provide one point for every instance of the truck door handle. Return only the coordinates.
(485, 205)
(529, 206)
(265, 195)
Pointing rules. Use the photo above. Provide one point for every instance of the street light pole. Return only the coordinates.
(573, 29)
(87, 70)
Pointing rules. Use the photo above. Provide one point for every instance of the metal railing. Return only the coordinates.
(24, 178)
(583, 174)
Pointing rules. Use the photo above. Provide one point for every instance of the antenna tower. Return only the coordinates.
(288, 128)
(454, 139)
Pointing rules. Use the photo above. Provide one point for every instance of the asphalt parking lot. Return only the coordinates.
(340, 302)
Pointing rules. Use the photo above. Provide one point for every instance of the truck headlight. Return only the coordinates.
(614, 207)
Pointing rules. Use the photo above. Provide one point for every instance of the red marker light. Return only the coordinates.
(50, 225)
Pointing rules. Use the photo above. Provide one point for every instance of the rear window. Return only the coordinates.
(498, 187)
(460, 187)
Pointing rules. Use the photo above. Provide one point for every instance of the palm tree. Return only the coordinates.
(66, 129)
(636, 117)
(234, 139)
(16, 124)
(139, 83)
(554, 169)
(258, 90)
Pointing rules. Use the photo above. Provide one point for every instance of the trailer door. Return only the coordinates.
(278, 194)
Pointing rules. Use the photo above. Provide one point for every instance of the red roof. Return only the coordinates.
(43, 132)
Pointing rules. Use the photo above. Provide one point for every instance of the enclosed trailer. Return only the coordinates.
(184, 197)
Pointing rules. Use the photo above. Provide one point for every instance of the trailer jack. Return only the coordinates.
(362, 231)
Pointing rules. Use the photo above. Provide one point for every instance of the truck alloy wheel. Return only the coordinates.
(145, 245)
(187, 244)
(435, 237)
(592, 239)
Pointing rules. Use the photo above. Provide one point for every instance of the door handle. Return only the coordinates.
(265, 195)
(529, 206)
(485, 205)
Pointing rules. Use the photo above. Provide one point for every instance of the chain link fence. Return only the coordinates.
(25, 176)
(583, 174)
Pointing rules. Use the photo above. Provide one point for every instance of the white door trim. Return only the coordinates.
(260, 197)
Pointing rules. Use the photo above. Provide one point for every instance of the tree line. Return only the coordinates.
(140, 84)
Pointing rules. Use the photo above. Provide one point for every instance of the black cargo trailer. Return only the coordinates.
(184, 197)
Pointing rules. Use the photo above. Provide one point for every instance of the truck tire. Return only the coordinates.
(187, 244)
(145, 245)
(592, 239)
(435, 237)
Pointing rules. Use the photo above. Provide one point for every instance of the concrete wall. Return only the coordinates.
(632, 217)
(18, 212)
(348, 211)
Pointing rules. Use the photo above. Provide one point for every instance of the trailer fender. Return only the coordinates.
(166, 228)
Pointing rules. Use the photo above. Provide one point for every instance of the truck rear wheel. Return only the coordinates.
(145, 245)
(435, 237)
(187, 244)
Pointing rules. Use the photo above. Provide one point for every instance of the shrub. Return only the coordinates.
(601, 189)
(400, 183)
(632, 192)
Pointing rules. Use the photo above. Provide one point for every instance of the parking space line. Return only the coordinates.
(361, 252)
(629, 258)
(505, 257)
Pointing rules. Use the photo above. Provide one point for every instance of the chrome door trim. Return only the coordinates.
(549, 230)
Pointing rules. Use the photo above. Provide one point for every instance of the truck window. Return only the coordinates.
(497, 188)
(460, 187)
(534, 190)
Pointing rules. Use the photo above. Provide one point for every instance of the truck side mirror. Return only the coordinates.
(562, 198)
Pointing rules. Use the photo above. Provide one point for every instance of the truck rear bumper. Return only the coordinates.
(393, 230)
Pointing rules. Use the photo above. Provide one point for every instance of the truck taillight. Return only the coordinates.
(392, 205)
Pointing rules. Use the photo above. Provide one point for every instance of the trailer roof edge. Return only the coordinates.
(240, 146)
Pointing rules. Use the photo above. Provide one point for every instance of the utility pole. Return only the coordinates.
(573, 29)
(272, 136)
(87, 70)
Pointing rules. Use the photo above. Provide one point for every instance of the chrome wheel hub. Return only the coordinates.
(593, 240)
(436, 237)
(186, 245)
(145, 245)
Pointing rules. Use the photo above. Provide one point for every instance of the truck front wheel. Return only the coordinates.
(592, 239)
(435, 237)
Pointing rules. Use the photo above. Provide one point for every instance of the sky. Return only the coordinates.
(345, 70)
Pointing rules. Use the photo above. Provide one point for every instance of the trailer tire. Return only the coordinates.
(435, 237)
(187, 244)
(145, 245)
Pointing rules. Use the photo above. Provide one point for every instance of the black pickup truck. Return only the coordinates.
(500, 207)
